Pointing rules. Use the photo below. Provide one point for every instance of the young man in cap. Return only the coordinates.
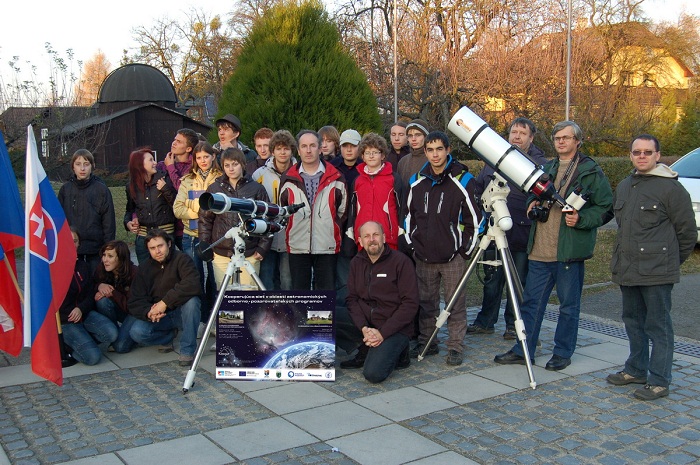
(229, 129)
(411, 164)
(347, 164)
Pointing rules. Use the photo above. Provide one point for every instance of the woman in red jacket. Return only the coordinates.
(378, 191)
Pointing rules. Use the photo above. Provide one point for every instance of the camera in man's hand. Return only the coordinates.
(539, 213)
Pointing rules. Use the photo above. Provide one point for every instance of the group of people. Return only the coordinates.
(388, 227)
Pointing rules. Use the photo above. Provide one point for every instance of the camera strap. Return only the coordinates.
(569, 171)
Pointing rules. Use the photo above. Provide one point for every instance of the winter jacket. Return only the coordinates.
(376, 198)
(315, 228)
(395, 157)
(89, 208)
(383, 294)
(519, 234)
(249, 153)
(175, 281)
(443, 215)
(577, 243)
(270, 178)
(80, 292)
(152, 207)
(122, 287)
(410, 165)
(656, 229)
(186, 206)
(213, 227)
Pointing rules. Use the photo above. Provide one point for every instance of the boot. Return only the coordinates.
(358, 361)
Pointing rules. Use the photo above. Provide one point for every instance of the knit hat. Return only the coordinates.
(350, 136)
(231, 119)
(419, 124)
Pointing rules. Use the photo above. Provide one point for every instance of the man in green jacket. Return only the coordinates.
(656, 233)
(560, 241)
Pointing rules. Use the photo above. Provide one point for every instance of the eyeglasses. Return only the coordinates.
(372, 153)
(563, 138)
(646, 153)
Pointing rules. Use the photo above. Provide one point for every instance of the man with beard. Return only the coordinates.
(382, 302)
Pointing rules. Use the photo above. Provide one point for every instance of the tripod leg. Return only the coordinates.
(189, 379)
(519, 325)
(445, 313)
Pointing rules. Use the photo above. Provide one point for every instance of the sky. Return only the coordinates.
(88, 26)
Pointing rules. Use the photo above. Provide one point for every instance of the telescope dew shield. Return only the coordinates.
(506, 159)
(503, 157)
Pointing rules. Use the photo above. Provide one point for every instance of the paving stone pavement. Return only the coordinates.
(130, 410)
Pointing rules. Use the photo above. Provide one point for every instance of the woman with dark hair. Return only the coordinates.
(149, 200)
(212, 227)
(83, 328)
(113, 280)
(89, 209)
(202, 174)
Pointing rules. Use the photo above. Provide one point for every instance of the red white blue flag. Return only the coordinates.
(11, 237)
(49, 258)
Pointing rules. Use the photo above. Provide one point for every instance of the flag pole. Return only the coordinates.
(14, 278)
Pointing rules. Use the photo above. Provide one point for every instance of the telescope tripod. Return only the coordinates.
(232, 276)
(494, 201)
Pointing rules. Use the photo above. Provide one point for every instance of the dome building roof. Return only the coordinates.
(137, 82)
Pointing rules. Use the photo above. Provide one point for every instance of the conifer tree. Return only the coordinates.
(293, 73)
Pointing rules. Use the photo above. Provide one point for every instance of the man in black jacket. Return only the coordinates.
(164, 296)
(382, 302)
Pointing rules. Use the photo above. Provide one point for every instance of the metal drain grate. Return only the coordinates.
(692, 350)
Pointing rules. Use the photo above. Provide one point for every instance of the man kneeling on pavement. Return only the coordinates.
(164, 298)
(381, 305)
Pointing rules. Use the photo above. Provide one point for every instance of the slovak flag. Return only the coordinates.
(11, 237)
(49, 257)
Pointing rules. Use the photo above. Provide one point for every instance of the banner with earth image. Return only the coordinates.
(278, 336)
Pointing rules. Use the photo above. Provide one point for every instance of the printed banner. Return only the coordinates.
(269, 335)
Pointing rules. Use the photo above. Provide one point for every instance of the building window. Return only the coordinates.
(45, 142)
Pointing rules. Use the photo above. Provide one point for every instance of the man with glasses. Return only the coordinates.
(559, 243)
(656, 233)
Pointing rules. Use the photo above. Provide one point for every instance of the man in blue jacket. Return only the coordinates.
(559, 244)
(521, 133)
(441, 228)
(656, 233)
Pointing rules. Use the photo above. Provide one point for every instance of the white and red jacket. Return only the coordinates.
(316, 228)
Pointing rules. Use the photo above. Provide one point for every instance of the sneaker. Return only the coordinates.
(200, 330)
(404, 360)
(621, 378)
(476, 329)
(418, 349)
(649, 392)
(454, 357)
(185, 360)
(510, 334)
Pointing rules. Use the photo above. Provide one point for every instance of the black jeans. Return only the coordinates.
(317, 267)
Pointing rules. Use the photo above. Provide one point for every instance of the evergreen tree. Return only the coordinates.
(293, 73)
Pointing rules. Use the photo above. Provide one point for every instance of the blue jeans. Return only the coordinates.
(141, 250)
(646, 312)
(541, 278)
(185, 317)
(274, 271)
(81, 337)
(381, 360)
(494, 282)
(206, 280)
(109, 308)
